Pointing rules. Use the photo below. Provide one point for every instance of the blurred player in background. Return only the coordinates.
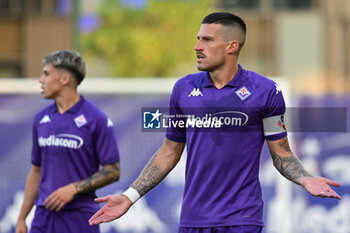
(71, 139)
(222, 190)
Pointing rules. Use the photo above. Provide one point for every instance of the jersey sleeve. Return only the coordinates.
(273, 119)
(176, 134)
(36, 152)
(105, 141)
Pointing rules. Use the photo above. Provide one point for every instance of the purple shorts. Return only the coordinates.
(68, 221)
(230, 229)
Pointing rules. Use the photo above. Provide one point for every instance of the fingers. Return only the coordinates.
(47, 200)
(102, 218)
(97, 220)
(21, 231)
(320, 187)
(21, 227)
(92, 220)
(102, 199)
(60, 206)
(329, 193)
(51, 202)
(54, 203)
(108, 219)
(333, 183)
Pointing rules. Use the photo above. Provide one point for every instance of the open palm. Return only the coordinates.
(116, 206)
(319, 186)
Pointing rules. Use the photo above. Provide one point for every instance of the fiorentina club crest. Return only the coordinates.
(80, 120)
(243, 93)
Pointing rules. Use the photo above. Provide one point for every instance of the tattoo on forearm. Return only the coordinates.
(149, 178)
(290, 166)
(106, 175)
(285, 145)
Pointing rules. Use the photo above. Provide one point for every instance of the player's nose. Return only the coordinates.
(41, 79)
(198, 46)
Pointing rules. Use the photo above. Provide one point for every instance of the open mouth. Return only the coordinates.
(200, 57)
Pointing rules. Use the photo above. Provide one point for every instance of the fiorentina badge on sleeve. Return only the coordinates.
(80, 120)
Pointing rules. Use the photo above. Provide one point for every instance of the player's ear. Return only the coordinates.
(233, 46)
(66, 78)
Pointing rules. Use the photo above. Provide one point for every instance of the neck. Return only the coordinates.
(223, 76)
(66, 101)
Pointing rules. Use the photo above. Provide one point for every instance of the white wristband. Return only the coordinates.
(132, 194)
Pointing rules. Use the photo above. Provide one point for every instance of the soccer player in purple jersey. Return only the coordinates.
(71, 139)
(222, 190)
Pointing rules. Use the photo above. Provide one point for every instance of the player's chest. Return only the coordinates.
(64, 131)
(240, 105)
(227, 97)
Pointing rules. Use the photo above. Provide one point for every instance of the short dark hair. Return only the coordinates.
(230, 20)
(68, 60)
(225, 18)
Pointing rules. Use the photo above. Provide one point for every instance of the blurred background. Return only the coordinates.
(136, 49)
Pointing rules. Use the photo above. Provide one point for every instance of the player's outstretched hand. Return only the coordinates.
(319, 187)
(116, 205)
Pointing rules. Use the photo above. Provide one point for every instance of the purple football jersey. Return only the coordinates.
(70, 147)
(222, 186)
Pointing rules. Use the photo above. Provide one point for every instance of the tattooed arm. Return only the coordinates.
(285, 162)
(159, 166)
(162, 162)
(291, 168)
(108, 174)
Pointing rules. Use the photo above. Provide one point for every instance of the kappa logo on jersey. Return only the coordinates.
(109, 123)
(151, 120)
(243, 93)
(278, 89)
(195, 92)
(45, 119)
(80, 120)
